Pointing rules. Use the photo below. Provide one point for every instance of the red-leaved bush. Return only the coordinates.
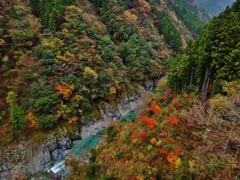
(154, 107)
(173, 120)
(177, 105)
(143, 136)
(150, 122)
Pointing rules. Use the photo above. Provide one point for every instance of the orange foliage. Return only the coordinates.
(73, 119)
(172, 157)
(105, 136)
(32, 120)
(134, 134)
(154, 107)
(65, 90)
(2, 42)
(173, 120)
(112, 90)
(150, 122)
(57, 115)
(115, 36)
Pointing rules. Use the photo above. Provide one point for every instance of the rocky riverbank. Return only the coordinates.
(24, 160)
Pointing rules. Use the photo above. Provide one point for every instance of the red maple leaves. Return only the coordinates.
(154, 107)
(149, 122)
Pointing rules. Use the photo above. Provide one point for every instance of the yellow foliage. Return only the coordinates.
(139, 177)
(78, 98)
(119, 18)
(162, 83)
(68, 54)
(88, 72)
(65, 32)
(72, 7)
(80, 111)
(146, 6)
(191, 165)
(221, 103)
(178, 163)
(5, 58)
(97, 27)
(129, 16)
(66, 58)
(60, 58)
(153, 141)
(163, 3)
(53, 44)
(231, 88)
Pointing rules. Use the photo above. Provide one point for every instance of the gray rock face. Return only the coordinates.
(24, 159)
(108, 112)
(148, 85)
(40, 160)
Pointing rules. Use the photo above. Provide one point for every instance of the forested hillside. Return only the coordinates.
(61, 59)
(193, 134)
(212, 57)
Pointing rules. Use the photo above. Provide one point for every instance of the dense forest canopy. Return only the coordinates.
(182, 136)
(62, 60)
(68, 56)
(212, 57)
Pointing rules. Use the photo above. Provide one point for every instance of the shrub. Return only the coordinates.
(47, 121)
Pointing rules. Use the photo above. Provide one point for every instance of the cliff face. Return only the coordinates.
(214, 7)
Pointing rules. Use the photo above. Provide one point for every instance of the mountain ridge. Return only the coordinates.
(214, 7)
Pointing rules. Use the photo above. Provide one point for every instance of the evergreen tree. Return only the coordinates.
(17, 114)
(213, 56)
